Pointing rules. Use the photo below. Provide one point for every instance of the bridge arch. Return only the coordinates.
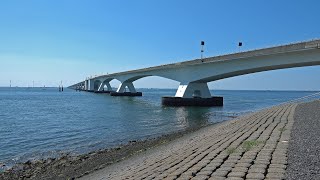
(127, 81)
(154, 81)
(105, 84)
(96, 84)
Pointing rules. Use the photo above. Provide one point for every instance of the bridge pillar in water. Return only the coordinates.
(85, 88)
(191, 90)
(90, 85)
(101, 88)
(193, 94)
(121, 91)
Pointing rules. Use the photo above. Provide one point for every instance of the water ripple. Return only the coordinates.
(37, 123)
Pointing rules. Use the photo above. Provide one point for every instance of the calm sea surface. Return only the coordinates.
(38, 123)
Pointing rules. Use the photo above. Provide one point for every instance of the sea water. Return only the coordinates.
(43, 122)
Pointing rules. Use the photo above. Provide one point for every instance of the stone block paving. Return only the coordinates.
(251, 147)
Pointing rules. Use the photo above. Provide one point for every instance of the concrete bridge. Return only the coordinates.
(195, 74)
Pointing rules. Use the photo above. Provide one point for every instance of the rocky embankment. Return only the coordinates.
(71, 167)
(250, 147)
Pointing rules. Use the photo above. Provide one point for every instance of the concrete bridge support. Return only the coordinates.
(85, 85)
(121, 91)
(80, 87)
(193, 89)
(90, 85)
(193, 94)
(101, 88)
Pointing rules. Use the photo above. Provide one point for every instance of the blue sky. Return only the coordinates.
(49, 41)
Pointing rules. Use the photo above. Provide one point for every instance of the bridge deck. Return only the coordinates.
(258, 52)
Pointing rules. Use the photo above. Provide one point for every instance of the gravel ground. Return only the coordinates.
(304, 146)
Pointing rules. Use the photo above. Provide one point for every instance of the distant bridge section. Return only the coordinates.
(195, 74)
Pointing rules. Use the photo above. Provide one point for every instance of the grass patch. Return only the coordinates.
(248, 145)
(231, 150)
(282, 129)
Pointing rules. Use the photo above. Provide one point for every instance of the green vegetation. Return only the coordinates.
(231, 150)
(282, 129)
(248, 145)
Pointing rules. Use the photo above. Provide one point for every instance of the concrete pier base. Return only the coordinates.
(126, 94)
(100, 92)
(178, 101)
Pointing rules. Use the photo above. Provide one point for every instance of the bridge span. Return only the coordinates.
(195, 74)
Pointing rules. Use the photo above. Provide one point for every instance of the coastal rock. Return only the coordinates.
(74, 159)
(49, 160)
(75, 166)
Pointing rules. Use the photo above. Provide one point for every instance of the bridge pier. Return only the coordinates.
(193, 94)
(85, 85)
(121, 91)
(79, 87)
(193, 90)
(89, 84)
(101, 87)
